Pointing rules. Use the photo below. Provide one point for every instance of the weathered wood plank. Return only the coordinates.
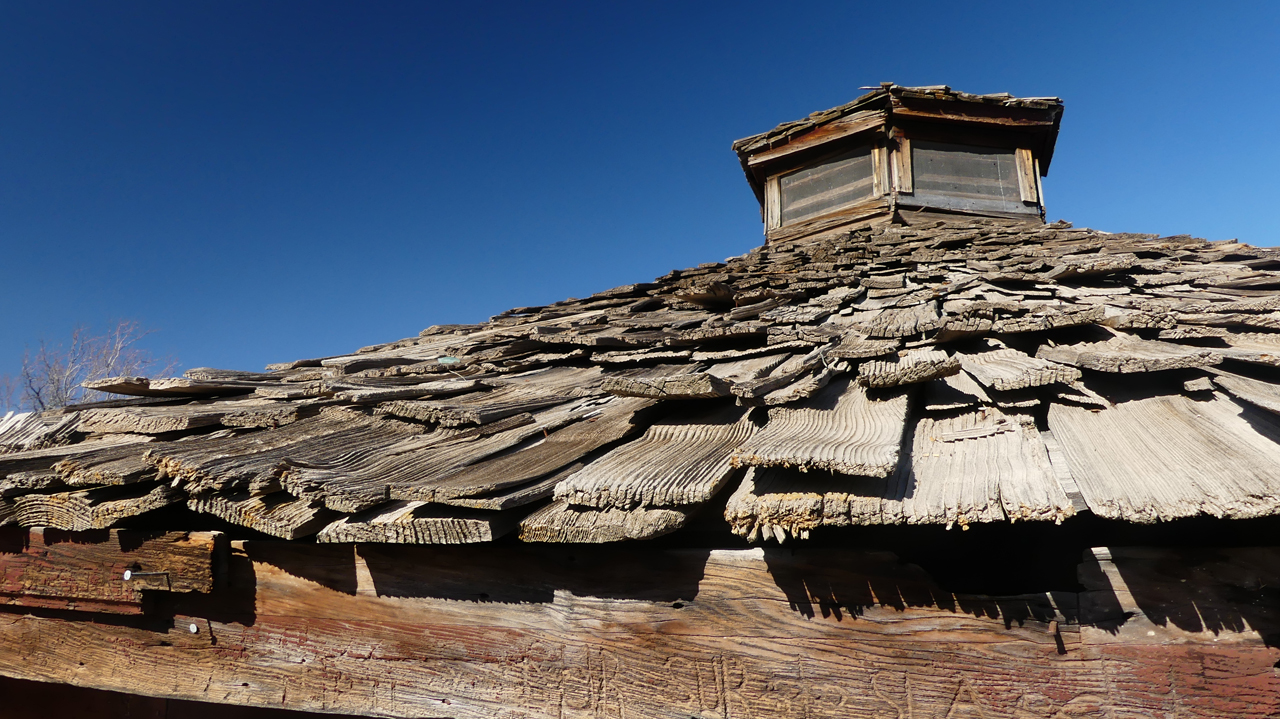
(678, 461)
(56, 570)
(543, 633)
(912, 366)
(1130, 354)
(593, 427)
(170, 386)
(839, 429)
(420, 523)
(694, 385)
(97, 508)
(279, 514)
(1009, 369)
(980, 466)
(1165, 457)
(563, 522)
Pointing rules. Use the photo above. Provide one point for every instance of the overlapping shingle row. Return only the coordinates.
(921, 372)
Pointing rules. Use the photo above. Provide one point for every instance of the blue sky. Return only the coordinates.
(266, 181)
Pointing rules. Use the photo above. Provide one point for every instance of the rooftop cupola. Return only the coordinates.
(903, 148)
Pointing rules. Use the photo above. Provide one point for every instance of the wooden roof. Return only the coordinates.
(890, 106)
(925, 371)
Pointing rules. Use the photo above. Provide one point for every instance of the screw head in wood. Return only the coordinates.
(128, 574)
(194, 628)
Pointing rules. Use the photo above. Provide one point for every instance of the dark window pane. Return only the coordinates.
(966, 177)
(827, 186)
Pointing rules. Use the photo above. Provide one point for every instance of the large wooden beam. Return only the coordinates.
(509, 631)
(102, 571)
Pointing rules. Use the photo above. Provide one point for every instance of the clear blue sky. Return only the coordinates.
(266, 181)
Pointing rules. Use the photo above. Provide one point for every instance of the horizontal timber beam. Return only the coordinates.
(511, 631)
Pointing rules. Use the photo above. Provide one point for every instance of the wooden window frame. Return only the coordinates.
(773, 202)
(903, 180)
(881, 182)
(1027, 170)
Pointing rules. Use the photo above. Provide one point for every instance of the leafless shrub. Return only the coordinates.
(52, 374)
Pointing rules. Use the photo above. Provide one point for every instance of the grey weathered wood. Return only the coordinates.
(587, 430)
(905, 322)
(170, 387)
(912, 366)
(678, 461)
(476, 408)
(1254, 391)
(258, 459)
(1163, 458)
(957, 391)
(853, 346)
(516, 496)
(839, 429)
(562, 522)
(784, 374)
(694, 385)
(1130, 354)
(122, 464)
(1257, 348)
(419, 523)
(161, 420)
(1008, 369)
(438, 388)
(980, 466)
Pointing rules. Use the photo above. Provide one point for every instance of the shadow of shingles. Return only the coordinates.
(513, 573)
(13, 540)
(835, 583)
(329, 565)
(1213, 590)
(233, 599)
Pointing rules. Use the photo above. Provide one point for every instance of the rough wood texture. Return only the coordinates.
(562, 522)
(483, 416)
(97, 508)
(678, 461)
(597, 427)
(1007, 369)
(474, 632)
(697, 385)
(480, 408)
(419, 523)
(920, 365)
(1255, 392)
(978, 466)
(55, 570)
(840, 429)
(1130, 354)
(279, 514)
(1161, 458)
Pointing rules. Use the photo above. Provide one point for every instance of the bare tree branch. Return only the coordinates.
(8, 391)
(51, 375)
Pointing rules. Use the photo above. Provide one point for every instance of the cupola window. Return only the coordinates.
(967, 177)
(920, 150)
(826, 186)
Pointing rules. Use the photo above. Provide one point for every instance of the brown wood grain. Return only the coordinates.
(84, 571)
(578, 632)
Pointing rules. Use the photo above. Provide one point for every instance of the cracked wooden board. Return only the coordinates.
(678, 461)
(1009, 369)
(979, 466)
(840, 429)
(1165, 457)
